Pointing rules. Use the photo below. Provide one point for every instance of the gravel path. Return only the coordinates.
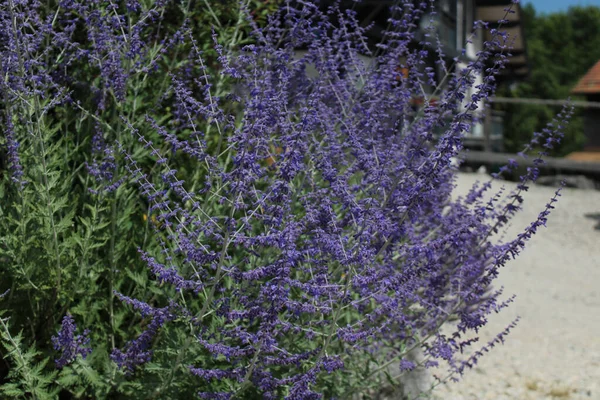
(554, 352)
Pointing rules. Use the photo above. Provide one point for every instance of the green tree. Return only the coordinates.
(561, 48)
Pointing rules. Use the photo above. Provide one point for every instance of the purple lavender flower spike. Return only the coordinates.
(69, 344)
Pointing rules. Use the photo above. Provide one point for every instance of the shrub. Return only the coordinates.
(245, 221)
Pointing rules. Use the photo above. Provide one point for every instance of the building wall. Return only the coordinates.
(472, 43)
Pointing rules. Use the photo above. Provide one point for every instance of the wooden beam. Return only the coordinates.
(558, 164)
(548, 102)
(493, 3)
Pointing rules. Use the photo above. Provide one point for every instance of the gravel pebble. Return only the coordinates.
(554, 352)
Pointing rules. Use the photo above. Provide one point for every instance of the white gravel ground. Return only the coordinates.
(554, 352)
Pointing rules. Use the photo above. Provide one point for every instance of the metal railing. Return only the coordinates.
(558, 165)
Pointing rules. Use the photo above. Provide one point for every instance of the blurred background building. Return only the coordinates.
(589, 86)
(453, 23)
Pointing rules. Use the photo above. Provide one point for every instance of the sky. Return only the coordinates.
(548, 6)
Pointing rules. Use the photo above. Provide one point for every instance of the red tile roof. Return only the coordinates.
(590, 83)
(588, 156)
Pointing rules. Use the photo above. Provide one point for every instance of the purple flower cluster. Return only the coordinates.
(138, 351)
(69, 344)
(316, 229)
(334, 230)
(116, 47)
(12, 145)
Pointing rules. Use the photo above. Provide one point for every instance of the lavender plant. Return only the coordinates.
(248, 221)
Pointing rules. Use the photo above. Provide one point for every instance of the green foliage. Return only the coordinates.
(66, 245)
(561, 48)
(28, 376)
